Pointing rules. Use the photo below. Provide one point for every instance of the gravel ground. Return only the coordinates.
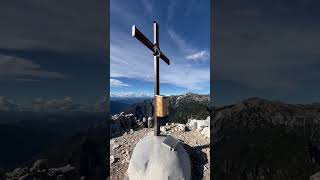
(195, 144)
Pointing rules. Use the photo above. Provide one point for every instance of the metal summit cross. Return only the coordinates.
(154, 47)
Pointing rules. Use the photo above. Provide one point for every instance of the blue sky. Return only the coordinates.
(184, 38)
(267, 48)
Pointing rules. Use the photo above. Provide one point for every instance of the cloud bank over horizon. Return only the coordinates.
(65, 104)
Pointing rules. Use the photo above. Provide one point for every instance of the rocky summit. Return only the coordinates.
(194, 140)
(262, 139)
(188, 122)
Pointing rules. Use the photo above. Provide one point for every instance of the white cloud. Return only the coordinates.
(199, 56)
(13, 67)
(117, 83)
(192, 53)
(130, 95)
(130, 59)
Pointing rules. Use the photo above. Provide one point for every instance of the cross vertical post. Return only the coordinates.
(156, 78)
(157, 55)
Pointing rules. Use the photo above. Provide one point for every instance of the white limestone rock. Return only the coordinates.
(163, 129)
(153, 160)
(112, 159)
(150, 122)
(181, 127)
(202, 124)
(198, 124)
(40, 165)
(206, 132)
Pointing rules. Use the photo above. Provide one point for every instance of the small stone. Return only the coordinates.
(112, 141)
(163, 129)
(61, 177)
(112, 159)
(150, 122)
(181, 127)
(40, 165)
(206, 167)
(115, 146)
(206, 132)
(24, 177)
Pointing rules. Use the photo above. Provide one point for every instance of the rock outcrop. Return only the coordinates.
(203, 126)
(40, 171)
(181, 108)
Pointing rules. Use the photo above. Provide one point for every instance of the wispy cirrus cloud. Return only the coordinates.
(199, 56)
(179, 41)
(190, 52)
(137, 63)
(130, 95)
(19, 68)
(117, 83)
(130, 60)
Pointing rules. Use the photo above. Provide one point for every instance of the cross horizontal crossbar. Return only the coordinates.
(144, 40)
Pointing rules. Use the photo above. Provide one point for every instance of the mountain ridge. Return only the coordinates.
(258, 138)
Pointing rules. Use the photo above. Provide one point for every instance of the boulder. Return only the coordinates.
(192, 124)
(61, 177)
(198, 124)
(181, 127)
(163, 129)
(315, 176)
(17, 172)
(150, 122)
(151, 159)
(202, 124)
(115, 125)
(25, 177)
(40, 164)
(63, 170)
(144, 119)
(112, 159)
(206, 132)
(145, 123)
(131, 119)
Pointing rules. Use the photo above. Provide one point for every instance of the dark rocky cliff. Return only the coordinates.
(261, 139)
